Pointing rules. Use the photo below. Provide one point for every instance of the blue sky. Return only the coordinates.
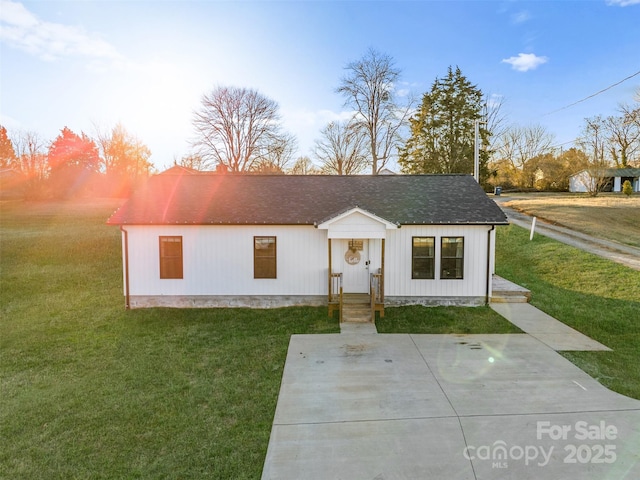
(146, 64)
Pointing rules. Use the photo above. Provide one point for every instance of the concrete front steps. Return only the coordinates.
(356, 307)
(505, 291)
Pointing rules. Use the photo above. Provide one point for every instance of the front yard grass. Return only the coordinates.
(595, 296)
(89, 390)
(438, 320)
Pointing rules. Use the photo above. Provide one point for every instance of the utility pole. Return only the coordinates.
(476, 150)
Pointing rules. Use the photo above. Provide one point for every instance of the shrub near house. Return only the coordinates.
(627, 189)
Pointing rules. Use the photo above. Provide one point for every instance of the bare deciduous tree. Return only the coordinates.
(31, 156)
(623, 134)
(275, 156)
(517, 145)
(236, 126)
(370, 89)
(341, 150)
(193, 161)
(593, 141)
(103, 138)
(495, 119)
(631, 114)
(122, 153)
(304, 166)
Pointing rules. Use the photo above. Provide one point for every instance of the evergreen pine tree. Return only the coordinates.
(443, 129)
(7, 152)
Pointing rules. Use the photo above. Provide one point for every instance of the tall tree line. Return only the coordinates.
(111, 164)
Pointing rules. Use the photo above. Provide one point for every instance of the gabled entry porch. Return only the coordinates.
(356, 255)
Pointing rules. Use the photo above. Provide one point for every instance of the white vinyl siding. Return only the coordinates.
(219, 260)
(398, 281)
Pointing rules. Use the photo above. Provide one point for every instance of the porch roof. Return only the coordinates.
(233, 199)
(356, 223)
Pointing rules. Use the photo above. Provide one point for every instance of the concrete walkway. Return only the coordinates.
(545, 328)
(358, 327)
(445, 407)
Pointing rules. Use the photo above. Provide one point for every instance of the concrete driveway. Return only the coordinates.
(400, 406)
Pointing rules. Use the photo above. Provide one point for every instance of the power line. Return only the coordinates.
(594, 94)
(552, 147)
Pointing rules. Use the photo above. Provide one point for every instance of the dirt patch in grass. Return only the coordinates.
(610, 216)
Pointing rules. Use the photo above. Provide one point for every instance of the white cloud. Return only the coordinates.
(622, 3)
(520, 17)
(525, 61)
(9, 122)
(405, 89)
(49, 41)
(495, 100)
(317, 119)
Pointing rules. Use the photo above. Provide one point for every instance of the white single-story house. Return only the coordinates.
(613, 179)
(222, 240)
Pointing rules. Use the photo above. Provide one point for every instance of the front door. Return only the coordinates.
(355, 269)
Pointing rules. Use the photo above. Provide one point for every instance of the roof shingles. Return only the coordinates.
(290, 200)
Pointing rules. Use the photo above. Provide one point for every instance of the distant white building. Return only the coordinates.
(614, 179)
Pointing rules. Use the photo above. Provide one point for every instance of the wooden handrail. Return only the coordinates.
(377, 294)
(336, 285)
(335, 293)
(377, 287)
(373, 301)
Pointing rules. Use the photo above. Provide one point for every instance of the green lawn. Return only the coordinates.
(437, 320)
(89, 390)
(598, 297)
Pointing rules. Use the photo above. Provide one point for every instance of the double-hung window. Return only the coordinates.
(264, 257)
(171, 257)
(451, 258)
(423, 257)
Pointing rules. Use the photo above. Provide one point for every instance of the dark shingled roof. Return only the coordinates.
(208, 198)
(622, 172)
